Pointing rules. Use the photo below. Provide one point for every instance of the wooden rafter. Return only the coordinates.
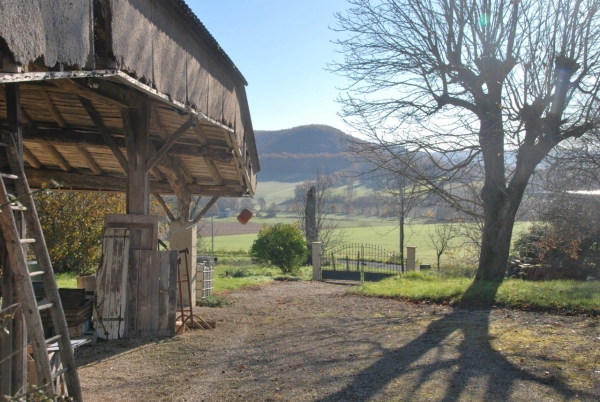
(52, 108)
(97, 119)
(89, 160)
(62, 162)
(203, 138)
(31, 159)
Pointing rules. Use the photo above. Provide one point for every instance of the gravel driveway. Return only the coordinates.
(304, 341)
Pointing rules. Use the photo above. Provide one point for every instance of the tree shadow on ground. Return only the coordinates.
(475, 364)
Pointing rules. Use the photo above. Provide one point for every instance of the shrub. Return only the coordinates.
(281, 245)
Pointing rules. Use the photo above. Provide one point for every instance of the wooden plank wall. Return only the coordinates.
(153, 289)
(111, 285)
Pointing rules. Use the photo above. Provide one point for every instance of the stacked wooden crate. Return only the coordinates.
(78, 311)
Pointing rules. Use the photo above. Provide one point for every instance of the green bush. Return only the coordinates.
(281, 245)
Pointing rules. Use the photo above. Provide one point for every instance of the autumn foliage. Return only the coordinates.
(73, 224)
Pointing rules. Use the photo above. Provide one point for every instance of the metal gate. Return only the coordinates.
(359, 262)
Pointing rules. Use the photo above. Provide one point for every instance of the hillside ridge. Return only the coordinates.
(295, 154)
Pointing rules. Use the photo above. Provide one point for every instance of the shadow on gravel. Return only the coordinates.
(476, 359)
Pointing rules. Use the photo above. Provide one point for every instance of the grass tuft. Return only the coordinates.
(214, 301)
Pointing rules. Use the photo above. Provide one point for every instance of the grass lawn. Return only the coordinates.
(233, 273)
(66, 280)
(565, 296)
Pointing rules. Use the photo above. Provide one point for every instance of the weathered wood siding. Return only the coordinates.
(110, 302)
(152, 287)
(57, 30)
(151, 42)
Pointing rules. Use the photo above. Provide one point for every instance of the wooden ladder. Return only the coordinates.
(25, 293)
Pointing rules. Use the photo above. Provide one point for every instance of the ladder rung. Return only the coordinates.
(28, 241)
(36, 273)
(59, 372)
(45, 306)
(18, 208)
(54, 338)
(7, 175)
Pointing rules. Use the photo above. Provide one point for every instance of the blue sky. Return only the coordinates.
(282, 47)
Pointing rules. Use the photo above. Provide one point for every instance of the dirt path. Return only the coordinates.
(309, 342)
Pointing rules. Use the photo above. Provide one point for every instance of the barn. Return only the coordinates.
(129, 96)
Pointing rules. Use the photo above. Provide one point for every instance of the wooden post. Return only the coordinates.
(137, 135)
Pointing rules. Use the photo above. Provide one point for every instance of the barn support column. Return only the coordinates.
(184, 235)
(136, 125)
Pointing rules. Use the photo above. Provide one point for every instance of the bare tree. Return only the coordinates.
(398, 189)
(440, 238)
(459, 83)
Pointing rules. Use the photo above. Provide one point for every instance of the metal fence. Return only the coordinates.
(359, 262)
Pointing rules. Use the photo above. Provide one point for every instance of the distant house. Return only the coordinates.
(226, 213)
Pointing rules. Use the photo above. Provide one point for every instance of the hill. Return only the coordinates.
(294, 154)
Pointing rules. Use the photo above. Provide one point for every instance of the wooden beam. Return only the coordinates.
(24, 118)
(97, 119)
(101, 91)
(129, 133)
(83, 180)
(168, 144)
(206, 208)
(214, 171)
(239, 162)
(177, 183)
(96, 139)
(157, 174)
(31, 159)
(203, 138)
(164, 206)
(137, 128)
(53, 75)
(62, 162)
(164, 135)
(89, 160)
(52, 108)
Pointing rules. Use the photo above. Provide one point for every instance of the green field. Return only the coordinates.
(368, 230)
(275, 191)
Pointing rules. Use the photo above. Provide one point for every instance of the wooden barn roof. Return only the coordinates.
(140, 55)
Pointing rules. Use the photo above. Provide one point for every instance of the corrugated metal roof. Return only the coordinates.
(188, 15)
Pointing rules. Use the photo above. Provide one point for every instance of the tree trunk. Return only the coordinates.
(500, 202)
